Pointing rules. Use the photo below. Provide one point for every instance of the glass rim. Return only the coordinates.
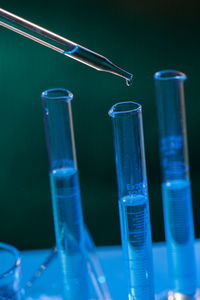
(62, 94)
(169, 75)
(15, 252)
(136, 107)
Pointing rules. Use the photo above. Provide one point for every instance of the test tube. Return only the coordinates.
(133, 199)
(66, 201)
(176, 192)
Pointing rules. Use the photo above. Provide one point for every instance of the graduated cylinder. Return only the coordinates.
(133, 199)
(66, 201)
(176, 192)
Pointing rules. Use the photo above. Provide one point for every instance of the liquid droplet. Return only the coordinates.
(129, 81)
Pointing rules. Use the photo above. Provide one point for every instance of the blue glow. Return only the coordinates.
(71, 51)
(101, 279)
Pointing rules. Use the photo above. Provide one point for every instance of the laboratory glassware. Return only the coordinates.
(10, 274)
(176, 191)
(133, 199)
(65, 191)
(75, 245)
(61, 44)
(98, 279)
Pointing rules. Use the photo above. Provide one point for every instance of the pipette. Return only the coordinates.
(61, 44)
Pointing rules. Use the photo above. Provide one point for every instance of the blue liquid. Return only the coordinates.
(9, 292)
(179, 231)
(136, 239)
(10, 287)
(69, 231)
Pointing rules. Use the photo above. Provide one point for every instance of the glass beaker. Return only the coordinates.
(10, 273)
(176, 191)
(133, 199)
(66, 200)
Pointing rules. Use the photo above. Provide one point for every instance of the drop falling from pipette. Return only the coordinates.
(129, 82)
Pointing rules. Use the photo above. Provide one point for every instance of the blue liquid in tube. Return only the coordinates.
(9, 292)
(136, 235)
(68, 220)
(179, 234)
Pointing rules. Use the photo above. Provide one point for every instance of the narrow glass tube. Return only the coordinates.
(133, 199)
(176, 192)
(65, 191)
(60, 44)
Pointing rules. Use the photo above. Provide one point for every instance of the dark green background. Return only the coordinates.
(141, 37)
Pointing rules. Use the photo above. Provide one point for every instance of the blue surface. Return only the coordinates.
(112, 263)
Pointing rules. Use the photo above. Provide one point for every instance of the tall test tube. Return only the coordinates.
(176, 193)
(133, 199)
(65, 190)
